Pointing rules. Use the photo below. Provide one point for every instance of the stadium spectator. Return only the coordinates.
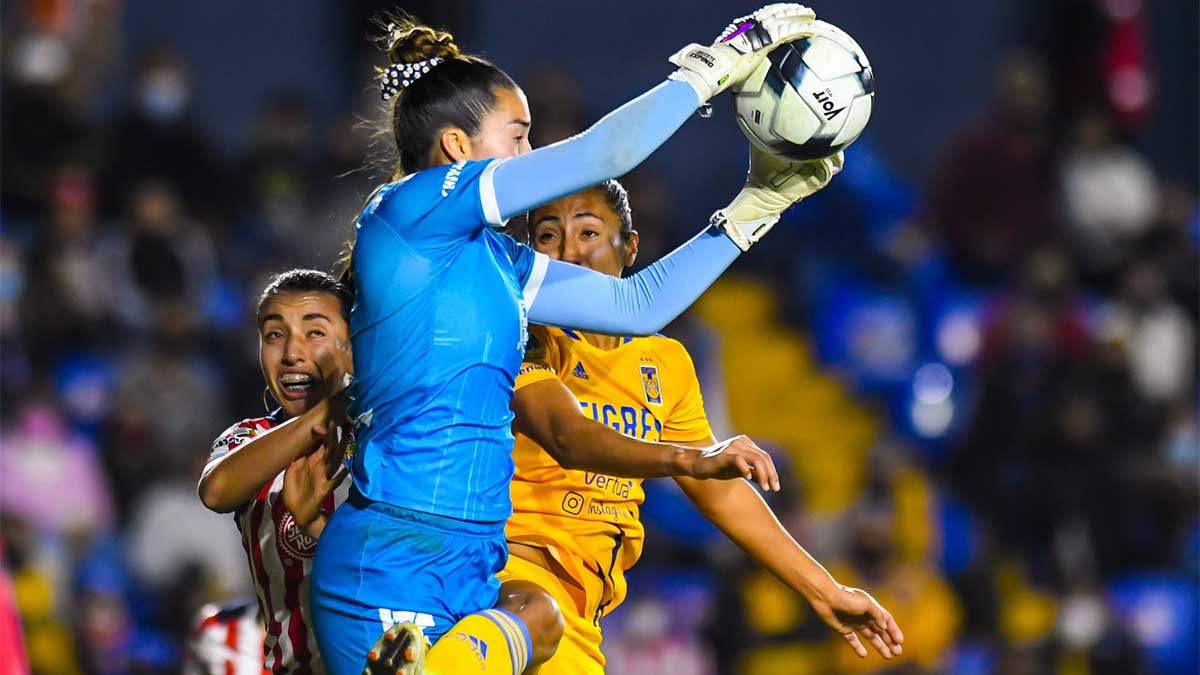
(1158, 336)
(72, 296)
(277, 174)
(40, 455)
(172, 391)
(155, 138)
(992, 195)
(165, 257)
(1109, 195)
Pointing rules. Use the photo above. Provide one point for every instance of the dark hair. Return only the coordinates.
(458, 92)
(617, 199)
(306, 281)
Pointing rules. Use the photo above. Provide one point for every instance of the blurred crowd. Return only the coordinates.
(983, 388)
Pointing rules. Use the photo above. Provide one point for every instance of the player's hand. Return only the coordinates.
(857, 616)
(773, 185)
(737, 457)
(741, 48)
(309, 480)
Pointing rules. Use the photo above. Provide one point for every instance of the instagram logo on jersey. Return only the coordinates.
(573, 503)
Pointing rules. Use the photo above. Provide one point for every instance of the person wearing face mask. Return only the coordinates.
(155, 138)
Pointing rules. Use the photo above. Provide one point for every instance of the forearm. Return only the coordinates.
(237, 477)
(736, 508)
(612, 147)
(548, 414)
(641, 304)
(591, 446)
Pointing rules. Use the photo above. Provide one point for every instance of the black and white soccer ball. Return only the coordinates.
(810, 98)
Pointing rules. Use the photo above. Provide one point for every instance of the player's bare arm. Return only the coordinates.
(547, 412)
(738, 511)
(236, 478)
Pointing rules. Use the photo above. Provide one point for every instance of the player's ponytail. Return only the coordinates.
(456, 90)
(410, 42)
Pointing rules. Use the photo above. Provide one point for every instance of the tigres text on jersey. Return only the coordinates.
(646, 388)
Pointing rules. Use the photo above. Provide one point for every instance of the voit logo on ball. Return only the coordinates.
(825, 100)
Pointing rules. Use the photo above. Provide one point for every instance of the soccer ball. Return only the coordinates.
(810, 98)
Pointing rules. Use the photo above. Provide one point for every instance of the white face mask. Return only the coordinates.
(1082, 621)
(163, 95)
(40, 59)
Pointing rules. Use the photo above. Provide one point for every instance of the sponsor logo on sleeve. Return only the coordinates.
(235, 438)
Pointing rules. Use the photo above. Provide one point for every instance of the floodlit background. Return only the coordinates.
(974, 354)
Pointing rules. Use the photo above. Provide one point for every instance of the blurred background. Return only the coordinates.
(974, 353)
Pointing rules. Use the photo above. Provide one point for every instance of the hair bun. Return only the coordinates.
(409, 42)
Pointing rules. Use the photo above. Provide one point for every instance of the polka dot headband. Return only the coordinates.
(399, 75)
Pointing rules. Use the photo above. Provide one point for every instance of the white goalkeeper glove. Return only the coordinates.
(740, 48)
(772, 186)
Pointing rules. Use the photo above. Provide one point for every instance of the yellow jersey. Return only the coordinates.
(588, 522)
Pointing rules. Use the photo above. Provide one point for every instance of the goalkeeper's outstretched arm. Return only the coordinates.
(625, 137)
(645, 302)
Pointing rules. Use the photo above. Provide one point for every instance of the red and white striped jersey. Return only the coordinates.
(226, 641)
(280, 555)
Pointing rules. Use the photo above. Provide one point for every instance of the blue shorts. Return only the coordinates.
(377, 564)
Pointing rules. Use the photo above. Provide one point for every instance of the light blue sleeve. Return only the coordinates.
(568, 296)
(612, 147)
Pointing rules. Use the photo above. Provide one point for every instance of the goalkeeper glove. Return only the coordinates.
(740, 48)
(772, 186)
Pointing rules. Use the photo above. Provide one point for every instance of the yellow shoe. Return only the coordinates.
(399, 651)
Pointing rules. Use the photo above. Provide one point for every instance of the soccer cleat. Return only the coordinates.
(399, 651)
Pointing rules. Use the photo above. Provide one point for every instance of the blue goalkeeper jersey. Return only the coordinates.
(438, 330)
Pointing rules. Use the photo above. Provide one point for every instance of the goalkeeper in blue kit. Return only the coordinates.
(438, 328)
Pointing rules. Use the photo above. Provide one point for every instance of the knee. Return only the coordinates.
(540, 613)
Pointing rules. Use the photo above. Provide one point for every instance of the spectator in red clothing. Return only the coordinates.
(992, 196)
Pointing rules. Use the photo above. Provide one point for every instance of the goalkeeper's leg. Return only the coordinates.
(514, 637)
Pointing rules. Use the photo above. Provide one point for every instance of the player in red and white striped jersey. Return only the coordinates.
(226, 641)
(273, 473)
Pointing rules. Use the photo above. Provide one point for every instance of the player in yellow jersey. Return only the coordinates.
(575, 533)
